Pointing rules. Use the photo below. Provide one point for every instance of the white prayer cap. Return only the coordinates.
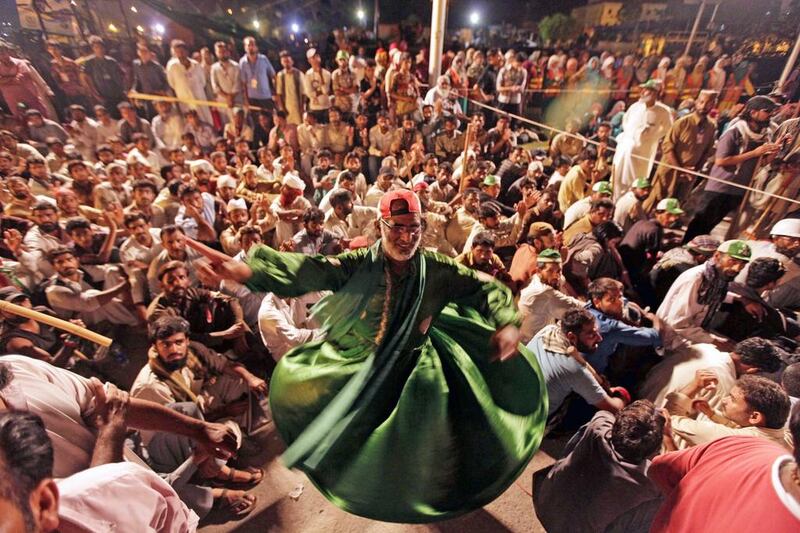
(226, 181)
(136, 157)
(291, 179)
(200, 164)
(788, 227)
(535, 166)
(236, 203)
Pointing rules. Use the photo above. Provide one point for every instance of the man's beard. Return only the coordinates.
(48, 227)
(585, 348)
(393, 252)
(172, 366)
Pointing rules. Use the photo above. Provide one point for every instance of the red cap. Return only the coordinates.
(421, 186)
(399, 202)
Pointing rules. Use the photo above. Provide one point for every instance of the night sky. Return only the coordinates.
(492, 11)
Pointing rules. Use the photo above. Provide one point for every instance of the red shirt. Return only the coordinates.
(731, 484)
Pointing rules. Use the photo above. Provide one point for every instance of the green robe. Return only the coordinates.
(420, 426)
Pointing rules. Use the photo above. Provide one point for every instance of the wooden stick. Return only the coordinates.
(464, 159)
(734, 227)
(57, 323)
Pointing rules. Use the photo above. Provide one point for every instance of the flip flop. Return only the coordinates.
(235, 507)
(256, 476)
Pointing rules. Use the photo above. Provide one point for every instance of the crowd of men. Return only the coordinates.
(653, 254)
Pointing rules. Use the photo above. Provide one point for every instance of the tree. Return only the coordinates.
(558, 27)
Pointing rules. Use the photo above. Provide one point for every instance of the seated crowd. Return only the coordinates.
(669, 345)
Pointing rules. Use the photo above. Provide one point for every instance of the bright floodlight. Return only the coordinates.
(474, 17)
(360, 14)
(256, 24)
(158, 28)
(295, 27)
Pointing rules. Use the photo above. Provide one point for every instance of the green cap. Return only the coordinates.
(642, 183)
(342, 54)
(736, 249)
(490, 180)
(651, 84)
(671, 206)
(603, 187)
(549, 256)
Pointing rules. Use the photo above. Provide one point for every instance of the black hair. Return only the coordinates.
(57, 252)
(601, 203)
(487, 211)
(562, 160)
(248, 230)
(587, 154)
(766, 397)
(575, 319)
(174, 186)
(346, 175)
(794, 430)
(170, 229)
(171, 266)
(340, 197)
(130, 218)
(602, 286)
(763, 271)
(483, 238)
(759, 353)
(313, 214)
(166, 326)
(186, 189)
(26, 459)
(145, 184)
(790, 380)
(77, 223)
(638, 431)
(606, 231)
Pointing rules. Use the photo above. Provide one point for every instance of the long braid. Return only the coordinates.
(387, 306)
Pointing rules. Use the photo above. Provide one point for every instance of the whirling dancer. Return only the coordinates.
(412, 408)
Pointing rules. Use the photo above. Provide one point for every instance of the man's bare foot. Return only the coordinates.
(236, 502)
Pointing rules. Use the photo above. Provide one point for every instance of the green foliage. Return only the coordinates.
(558, 27)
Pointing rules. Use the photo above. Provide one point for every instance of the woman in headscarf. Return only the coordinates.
(695, 79)
(458, 78)
(718, 75)
(624, 78)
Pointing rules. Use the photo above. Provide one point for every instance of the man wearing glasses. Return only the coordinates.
(413, 385)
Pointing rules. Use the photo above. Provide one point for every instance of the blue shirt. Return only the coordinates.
(563, 374)
(255, 77)
(614, 333)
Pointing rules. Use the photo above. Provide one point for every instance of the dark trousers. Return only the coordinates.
(266, 104)
(712, 208)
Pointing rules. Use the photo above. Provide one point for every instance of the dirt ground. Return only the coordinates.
(288, 502)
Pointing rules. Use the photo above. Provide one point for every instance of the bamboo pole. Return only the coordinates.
(57, 323)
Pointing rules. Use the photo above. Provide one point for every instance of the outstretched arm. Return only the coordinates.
(284, 273)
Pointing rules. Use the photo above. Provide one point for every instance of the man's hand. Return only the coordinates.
(704, 380)
(13, 240)
(207, 276)
(235, 331)
(191, 212)
(701, 406)
(257, 385)
(755, 309)
(110, 405)
(287, 246)
(767, 148)
(503, 344)
(216, 440)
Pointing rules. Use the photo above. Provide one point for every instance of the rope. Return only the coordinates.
(192, 101)
(133, 95)
(659, 163)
